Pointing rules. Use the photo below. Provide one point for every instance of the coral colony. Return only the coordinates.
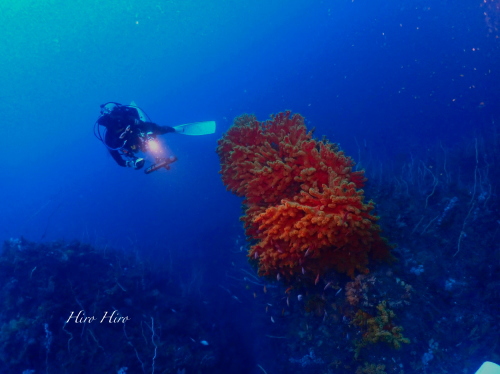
(304, 206)
(307, 222)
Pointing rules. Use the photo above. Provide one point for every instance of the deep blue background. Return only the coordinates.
(391, 75)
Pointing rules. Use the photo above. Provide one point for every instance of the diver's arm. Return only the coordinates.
(157, 129)
(117, 157)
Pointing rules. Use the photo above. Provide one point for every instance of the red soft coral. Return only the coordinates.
(304, 205)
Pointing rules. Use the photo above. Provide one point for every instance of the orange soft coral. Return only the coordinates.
(304, 205)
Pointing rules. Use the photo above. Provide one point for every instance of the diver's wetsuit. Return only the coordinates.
(121, 141)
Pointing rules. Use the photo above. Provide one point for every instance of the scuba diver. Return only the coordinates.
(128, 131)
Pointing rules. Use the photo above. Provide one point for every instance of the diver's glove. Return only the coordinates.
(136, 164)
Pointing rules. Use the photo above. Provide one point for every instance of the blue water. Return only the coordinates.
(381, 78)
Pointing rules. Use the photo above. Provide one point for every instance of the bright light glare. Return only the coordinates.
(154, 146)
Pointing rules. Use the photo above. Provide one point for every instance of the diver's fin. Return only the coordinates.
(196, 128)
(193, 128)
(488, 368)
